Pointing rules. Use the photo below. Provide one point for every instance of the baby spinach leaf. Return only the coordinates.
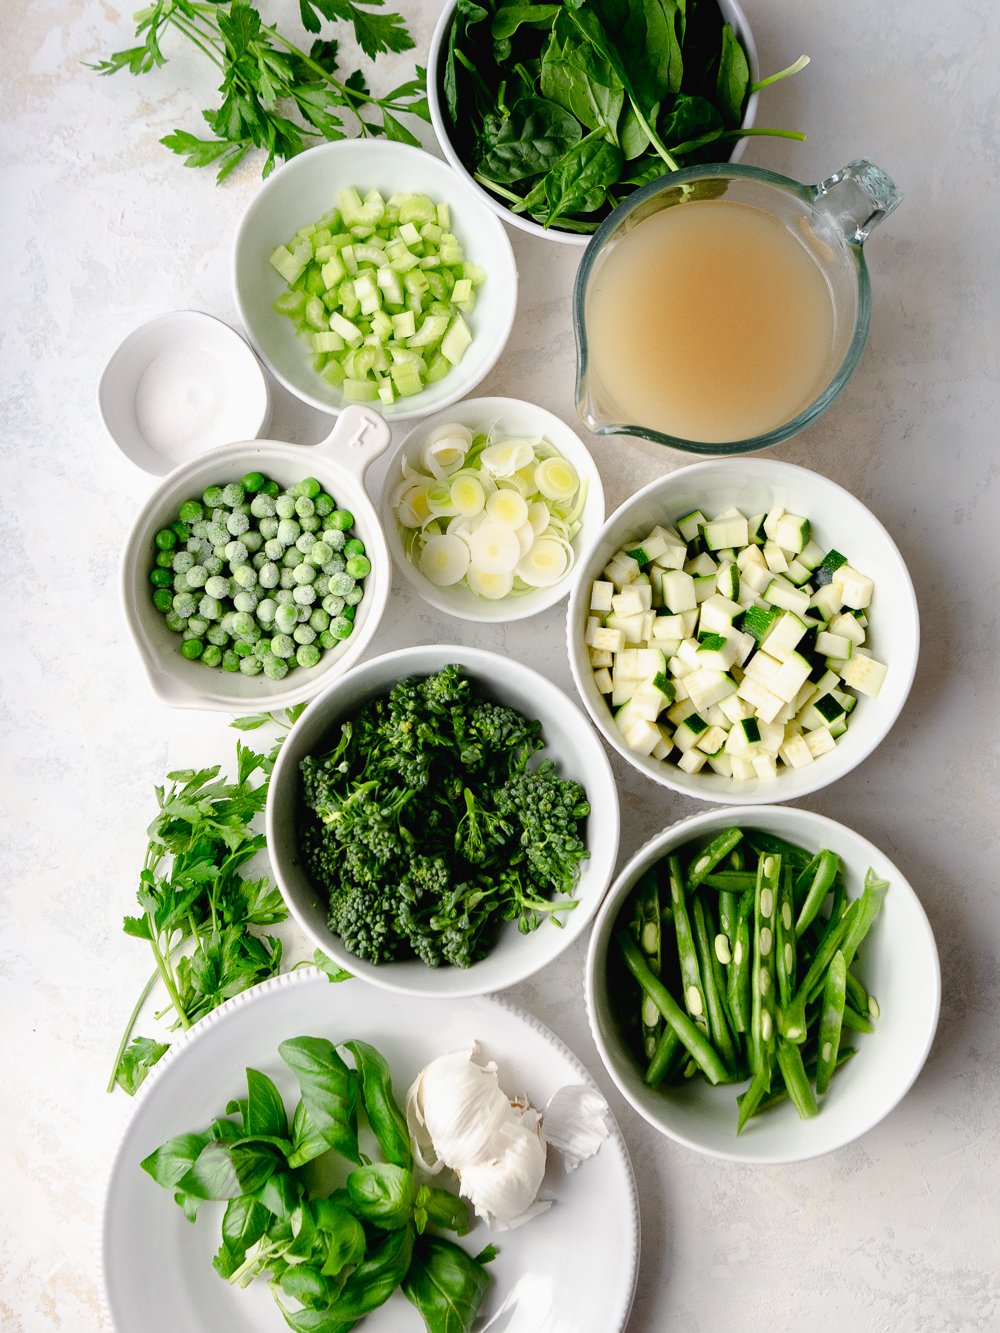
(686, 117)
(510, 16)
(579, 181)
(581, 81)
(386, 1119)
(445, 1284)
(467, 14)
(329, 1091)
(534, 136)
(733, 79)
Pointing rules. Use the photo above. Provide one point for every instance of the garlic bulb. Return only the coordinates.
(459, 1116)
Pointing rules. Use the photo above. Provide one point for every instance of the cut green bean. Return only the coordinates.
(692, 986)
(831, 1020)
(714, 982)
(738, 981)
(666, 1058)
(749, 1100)
(796, 1079)
(857, 996)
(784, 940)
(870, 905)
(768, 842)
(779, 1095)
(707, 859)
(649, 935)
(762, 1016)
(824, 868)
(857, 1022)
(697, 1044)
(733, 881)
(794, 1024)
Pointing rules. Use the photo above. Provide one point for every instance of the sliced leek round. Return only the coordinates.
(444, 560)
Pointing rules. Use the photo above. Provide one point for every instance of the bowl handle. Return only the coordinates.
(357, 439)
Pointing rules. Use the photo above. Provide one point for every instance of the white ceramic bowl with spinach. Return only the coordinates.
(570, 127)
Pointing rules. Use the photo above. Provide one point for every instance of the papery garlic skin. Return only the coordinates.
(454, 1110)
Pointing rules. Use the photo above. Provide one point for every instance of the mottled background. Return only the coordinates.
(102, 228)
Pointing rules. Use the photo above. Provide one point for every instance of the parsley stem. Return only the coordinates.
(165, 975)
(133, 1016)
(211, 49)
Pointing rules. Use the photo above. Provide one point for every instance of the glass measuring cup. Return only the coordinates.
(831, 220)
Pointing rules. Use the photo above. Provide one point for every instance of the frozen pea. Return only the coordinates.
(190, 511)
(307, 655)
(163, 599)
(335, 565)
(211, 655)
(246, 576)
(243, 648)
(262, 650)
(304, 594)
(284, 506)
(237, 523)
(325, 504)
(217, 586)
(285, 617)
(327, 640)
(307, 486)
(175, 623)
(212, 497)
(184, 605)
(304, 507)
(353, 547)
(232, 494)
(252, 540)
(341, 627)
(253, 481)
(182, 562)
(212, 565)
(266, 611)
(305, 542)
(340, 519)
(355, 596)
(200, 529)
(319, 553)
(251, 666)
(227, 621)
(288, 531)
(334, 538)
(332, 604)
(218, 534)
(358, 566)
(269, 528)
(350, 612)
(292, 557)
(182, 530)
(197, 625)
(341, 584)
(210, 608)
(243, 623)
(258, 560)
(192, 649)
(311, 524)
(269, 575)
(262, 506)
(165, 559)
(319, 619)
(284, 596)
(199, 547)
(304, 573)
(286, 578)
(322, 585)
(303, 633)
(163, 578)
(230, 662)
(282, 645)
(166, 539)
(274, 549)
(236, 552)
(219, 516)
(304, 612)
(217, 635)
(247, 600)
(275, 668)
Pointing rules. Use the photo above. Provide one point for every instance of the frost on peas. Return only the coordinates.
(217, 635)
(341, 584)
(213, 565)
(304, 594)
(217, 535)
(284, 506)
(262, 650)
(243, 623)
(175, 623)
(305, 542)
(319, 619)
(252, 540)
(237, 523)
(322, 585)
(236, 552)
(269, 575)
(245, 576)
(305, 507)
(285, 618)
(210, 608)
(303, 633)
(269, 529)
(286, 579)
(182, 562)
(334, 538)
(284, 596)
(198, 625)
(184, 605)
(217, 586)
(288, 531)
(275, 668)
(333, 605)
(283, 645)
(292, 557)
(307, 655)
(258, 560)
(247, 600)
(232, 494)
(304, 573)
(200, 529)
(355, 596)
(341, 627)
(266, 611)
(211, 655)
(262, 506)
(251, 666)
(319, 553)
(199, 547)
(274, 549)
(311, 524)
(211, 497)
(335, 565)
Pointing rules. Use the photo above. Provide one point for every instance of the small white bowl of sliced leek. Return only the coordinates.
(488, 506)
(743, 631)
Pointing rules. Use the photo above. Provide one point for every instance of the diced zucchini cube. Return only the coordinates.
(864, 674)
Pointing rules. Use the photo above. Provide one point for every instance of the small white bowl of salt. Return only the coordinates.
(180, 385)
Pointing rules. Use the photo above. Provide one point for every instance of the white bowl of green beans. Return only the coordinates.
(746, 1031)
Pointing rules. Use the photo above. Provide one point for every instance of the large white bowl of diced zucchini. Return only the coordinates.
(743, 630)
(367, 271)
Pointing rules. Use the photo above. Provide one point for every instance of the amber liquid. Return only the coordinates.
(710, 321)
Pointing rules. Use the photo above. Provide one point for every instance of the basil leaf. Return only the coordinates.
(329, 1092)
(382, 1194)
(445, 1284)
(226, 1170)
(281, 1195)
(265, 1110)
(171, 1162)
(384, 1115)
(342, 1236)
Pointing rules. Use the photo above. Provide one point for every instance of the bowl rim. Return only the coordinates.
(706, 821)
(817, 776)
(422, 659)
(737, 17)
(508, 608)
(350, 469)
(481, 221)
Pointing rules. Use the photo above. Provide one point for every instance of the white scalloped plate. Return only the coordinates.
(570, 1269)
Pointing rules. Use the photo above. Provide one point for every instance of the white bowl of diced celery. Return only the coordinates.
(367, 271)
(488, 505)
(743, 630)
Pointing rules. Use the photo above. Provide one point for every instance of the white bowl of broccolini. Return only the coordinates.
(226, 621)
(422, 842)
(848, 980)
(743, 631)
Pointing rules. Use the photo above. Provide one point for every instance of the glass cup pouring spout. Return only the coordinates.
(830, 221)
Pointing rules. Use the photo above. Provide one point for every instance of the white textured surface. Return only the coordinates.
(102, 229)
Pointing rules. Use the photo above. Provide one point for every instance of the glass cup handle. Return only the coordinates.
(857, 198)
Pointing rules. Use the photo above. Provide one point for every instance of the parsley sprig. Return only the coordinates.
(275, 96)
(199, 914)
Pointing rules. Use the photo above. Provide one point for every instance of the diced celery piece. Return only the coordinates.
(360, 391)
(407, 379)
(417, 208)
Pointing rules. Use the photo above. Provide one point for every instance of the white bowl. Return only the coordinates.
(898, 964)
(568, 740)
(517, 418)
(339, 463)
(159, 425)
(731, 12)
(839, 520)
(303, 190)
